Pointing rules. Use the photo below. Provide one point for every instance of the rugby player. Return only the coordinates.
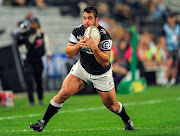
(93, 66)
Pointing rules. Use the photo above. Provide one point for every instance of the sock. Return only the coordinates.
(122, 113)
(52, 109)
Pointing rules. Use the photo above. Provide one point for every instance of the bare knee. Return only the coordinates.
(169, 63)
(62, 96)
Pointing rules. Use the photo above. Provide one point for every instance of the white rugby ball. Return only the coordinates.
(94, 32)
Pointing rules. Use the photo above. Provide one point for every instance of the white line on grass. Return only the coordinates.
(13, 117)
(95, 129)
(178, 99)
(90, 109)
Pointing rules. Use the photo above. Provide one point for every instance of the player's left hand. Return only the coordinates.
(91, 43)
(49, 57)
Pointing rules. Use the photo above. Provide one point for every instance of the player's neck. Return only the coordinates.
(172, 25)
(96, 25)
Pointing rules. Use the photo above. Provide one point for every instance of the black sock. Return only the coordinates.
(52, 109)
(124, 115)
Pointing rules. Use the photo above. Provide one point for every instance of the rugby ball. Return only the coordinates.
(94, 32)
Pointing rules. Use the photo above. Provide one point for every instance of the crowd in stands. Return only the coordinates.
(121, 18)
(148, 19)
(38, 3)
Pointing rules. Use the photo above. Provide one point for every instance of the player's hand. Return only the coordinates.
(123, 71)
(49, 57)
(82, 43)
(91, 43)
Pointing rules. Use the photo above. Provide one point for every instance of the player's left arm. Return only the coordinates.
(103, 57)
(47, 48)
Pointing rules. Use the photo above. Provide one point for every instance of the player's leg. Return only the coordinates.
(29, 78)
(105, 87)
(174, 67)
(70, 86)
(168, 68)
(174, 72)
(30, 89)
(37, 71)
(110, 101)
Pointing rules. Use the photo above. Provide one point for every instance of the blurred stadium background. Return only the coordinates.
(58, 18)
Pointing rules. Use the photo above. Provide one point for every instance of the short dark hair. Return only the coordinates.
(91, 9)
(36, 20)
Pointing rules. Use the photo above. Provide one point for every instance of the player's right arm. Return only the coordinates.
(73, 49)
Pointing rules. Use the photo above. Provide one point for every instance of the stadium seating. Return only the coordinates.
(56, 26)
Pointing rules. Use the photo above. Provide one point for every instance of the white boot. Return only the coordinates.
(164, 82)
(172, 82)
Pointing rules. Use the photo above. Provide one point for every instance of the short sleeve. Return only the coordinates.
(72, 38)
(105, 45)
(105, 42)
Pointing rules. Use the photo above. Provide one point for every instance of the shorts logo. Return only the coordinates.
(111, 83)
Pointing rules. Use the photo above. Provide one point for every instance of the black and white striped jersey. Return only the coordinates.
(87, 59)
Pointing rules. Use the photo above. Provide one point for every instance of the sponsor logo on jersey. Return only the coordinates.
(102, 31)
(86, 50)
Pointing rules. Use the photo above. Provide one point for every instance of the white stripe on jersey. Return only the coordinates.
(73, 39)
(105, 45)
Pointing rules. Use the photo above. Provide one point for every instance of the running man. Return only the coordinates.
(93, 66)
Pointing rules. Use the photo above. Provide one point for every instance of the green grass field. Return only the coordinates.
(154, 113)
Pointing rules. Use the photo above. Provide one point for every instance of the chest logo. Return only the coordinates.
(87, 50)
(39, 43)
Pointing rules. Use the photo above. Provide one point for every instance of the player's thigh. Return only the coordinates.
(176, 59)
(176, 64)
(104, 82)
(108, 98)
(70, 86)
(169, 62)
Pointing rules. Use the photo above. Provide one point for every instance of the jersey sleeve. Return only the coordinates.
(105, 45)
(105, 42)
(73, 35)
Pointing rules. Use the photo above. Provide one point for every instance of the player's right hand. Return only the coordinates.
(82, 43)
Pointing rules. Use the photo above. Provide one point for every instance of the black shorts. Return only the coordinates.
(173, 54)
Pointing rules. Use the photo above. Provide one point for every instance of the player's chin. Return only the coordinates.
(86, 26)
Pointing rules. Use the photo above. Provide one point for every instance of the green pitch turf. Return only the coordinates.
(154, 113)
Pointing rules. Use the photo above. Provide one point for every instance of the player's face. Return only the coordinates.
(89, 20)
(34, 26)
(171, 20)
